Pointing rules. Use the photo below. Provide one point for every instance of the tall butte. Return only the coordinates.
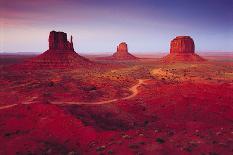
(122, 53)
(182, 48)
(60, 54)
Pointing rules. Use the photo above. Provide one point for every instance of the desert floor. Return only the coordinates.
(128, 107)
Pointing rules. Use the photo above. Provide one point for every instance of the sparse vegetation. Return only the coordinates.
(181, 108)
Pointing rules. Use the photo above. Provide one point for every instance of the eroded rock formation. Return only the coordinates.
(122, 48)
(182, 48)
(122, 52)
(58, 41)
(182, 44)
(60, 54)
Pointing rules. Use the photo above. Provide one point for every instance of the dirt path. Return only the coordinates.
(133, 89)
(12, 105)
(7, 106)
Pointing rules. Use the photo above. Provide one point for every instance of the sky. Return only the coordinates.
(98, 26)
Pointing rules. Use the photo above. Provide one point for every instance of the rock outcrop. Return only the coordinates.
(58, 41)
(122, 53)
(122, 48)
(60, 54)
(182, 44)
(182, 48)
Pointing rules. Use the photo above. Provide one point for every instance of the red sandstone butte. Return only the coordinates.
(60, 54)
(58, 41)
(182, 48)
(122, 53)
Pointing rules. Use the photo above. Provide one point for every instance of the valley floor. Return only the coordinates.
(134, 107)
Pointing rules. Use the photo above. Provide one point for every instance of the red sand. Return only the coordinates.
(188, 109)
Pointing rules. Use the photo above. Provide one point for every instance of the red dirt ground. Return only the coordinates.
(181, 109)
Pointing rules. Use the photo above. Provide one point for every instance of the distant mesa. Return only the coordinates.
(122, 53)
(182, 48)
(60, 54)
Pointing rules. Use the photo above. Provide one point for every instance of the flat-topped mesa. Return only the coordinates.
(182, 48)
(182, 44)
(58, 41)
(122, 53)
(122, 47)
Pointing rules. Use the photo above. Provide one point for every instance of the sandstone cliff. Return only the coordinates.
(182, 48)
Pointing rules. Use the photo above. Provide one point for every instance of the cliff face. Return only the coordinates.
(182, 48)
(122, 53)
(60, 55)
(58, 41)
(122, 48)
(182, 44)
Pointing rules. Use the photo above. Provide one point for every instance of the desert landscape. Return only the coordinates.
(125, 77)
(60, 102)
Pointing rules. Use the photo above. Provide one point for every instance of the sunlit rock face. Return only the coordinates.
(122, 52)
(182, 48)
(122, 48)
(60, 55)
(182, 44)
